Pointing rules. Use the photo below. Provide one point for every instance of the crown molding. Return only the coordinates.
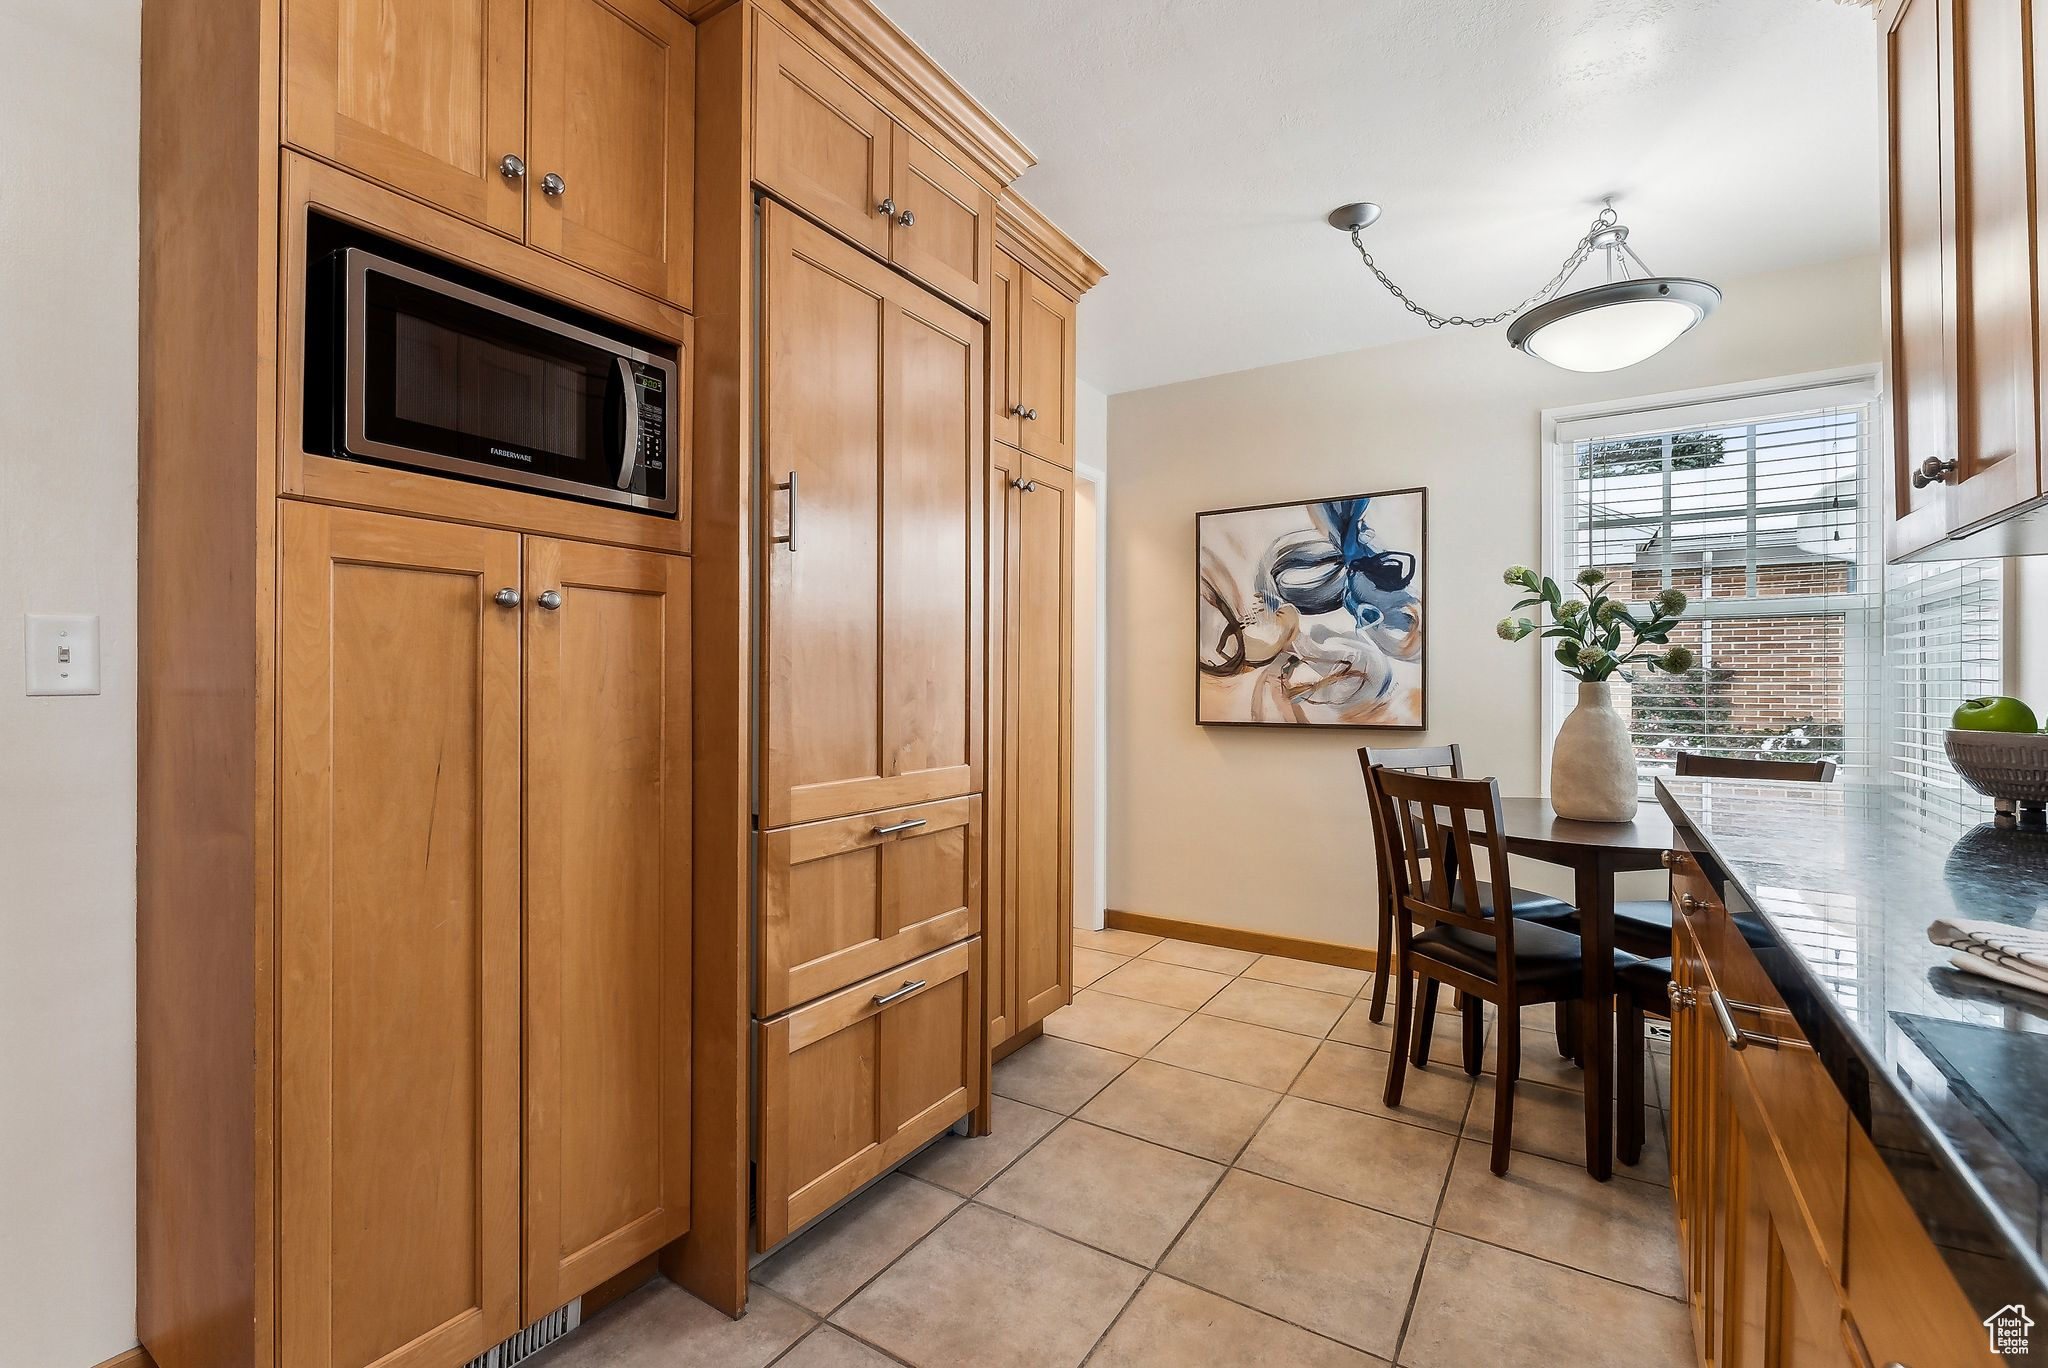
(1019, 220)
(886, 53)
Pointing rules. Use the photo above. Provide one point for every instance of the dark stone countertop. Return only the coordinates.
(1835, 885)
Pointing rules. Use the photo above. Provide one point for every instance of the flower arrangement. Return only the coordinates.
(1589, 629)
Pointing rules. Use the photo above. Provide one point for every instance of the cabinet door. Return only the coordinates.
(1920, 264)
(818, 142)
(1906, 1302)
(845, 899)
(398, 940)
(425, 96)
(1005, 314)
(612, 88)
(1998, 465)
(1041, 768)
(607, 912)
(871, 431)
(1045, 339)
(945, 223)
(1005, 478)
(852, 1084)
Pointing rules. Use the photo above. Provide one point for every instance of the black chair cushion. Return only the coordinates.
(1529, 905)
(1648, 980)
(1541, 952)
(1649, 915)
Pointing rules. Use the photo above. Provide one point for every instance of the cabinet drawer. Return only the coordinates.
(1799, 1102)
(845, 899)
(850, 1085)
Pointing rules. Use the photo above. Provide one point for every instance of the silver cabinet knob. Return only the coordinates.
(1681, 996)
(507, 598)
(553, 186)
(511, 167)
(1031, 415)
(1016, 410)
(1690, 905)
(907, 218)
(1933, 470)
(550, 600)
(887, 207)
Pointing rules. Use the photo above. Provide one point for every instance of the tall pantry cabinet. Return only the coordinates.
(416, 1022)
(897, 796)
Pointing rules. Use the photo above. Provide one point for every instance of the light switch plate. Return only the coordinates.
(63, 654)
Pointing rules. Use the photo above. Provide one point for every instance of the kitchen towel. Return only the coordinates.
(2017, 955)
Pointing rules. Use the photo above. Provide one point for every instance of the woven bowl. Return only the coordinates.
(2009, 765)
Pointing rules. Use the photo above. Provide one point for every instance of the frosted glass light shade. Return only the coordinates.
(1610, 326)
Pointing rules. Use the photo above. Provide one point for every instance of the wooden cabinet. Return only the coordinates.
(1045, 370)
(1963, 286)
(427, 97)
(1030, 773)
(611, 117)
(568, 124)
(824, 145)
(1039, 818)
(402, 701)
(608, 945)
(1799, 1248)
(1006, 289)
(1906, 1305)
(844, 899)
(871, 432)
(399, 941)
(854, 1083)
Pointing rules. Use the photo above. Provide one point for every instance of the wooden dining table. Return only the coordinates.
(1595, 852)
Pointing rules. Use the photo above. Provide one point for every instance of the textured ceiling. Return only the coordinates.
(1194, 146)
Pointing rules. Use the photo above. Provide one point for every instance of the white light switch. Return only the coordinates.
(63, 654)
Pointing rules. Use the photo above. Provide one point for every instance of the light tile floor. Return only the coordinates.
(1194, 1167)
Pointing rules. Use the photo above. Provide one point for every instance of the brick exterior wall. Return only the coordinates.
(1759, 678)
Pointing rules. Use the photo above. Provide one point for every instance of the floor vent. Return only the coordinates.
(1658, 1030)
(532, 1339)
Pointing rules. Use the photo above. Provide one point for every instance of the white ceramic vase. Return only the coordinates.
(1593, 764)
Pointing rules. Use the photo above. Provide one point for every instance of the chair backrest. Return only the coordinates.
(1718, 767)
(1447, 761)
(1444, 760)
(1433, 826)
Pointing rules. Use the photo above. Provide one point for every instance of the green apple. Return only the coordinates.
(1998, 714)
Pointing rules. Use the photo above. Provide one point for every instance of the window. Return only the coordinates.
(1943, 638)
(1756, 506)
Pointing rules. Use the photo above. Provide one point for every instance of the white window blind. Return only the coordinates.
(1756, 505)
(1943, 643)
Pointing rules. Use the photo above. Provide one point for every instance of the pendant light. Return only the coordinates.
(1630, 317)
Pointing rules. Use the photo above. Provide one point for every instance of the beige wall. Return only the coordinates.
(68, 233)
(1091, 448)
(1267, 828)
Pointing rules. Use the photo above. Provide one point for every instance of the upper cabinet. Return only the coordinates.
(833, 151)
(568, 124)
(610, 123)
(427, 97)
(1962, 290)
(1044, 339)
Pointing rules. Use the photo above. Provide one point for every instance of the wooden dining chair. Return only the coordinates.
(1691, 766)
(1435, 826)
(1445, 762)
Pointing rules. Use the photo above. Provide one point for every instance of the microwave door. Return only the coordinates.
(448, 379)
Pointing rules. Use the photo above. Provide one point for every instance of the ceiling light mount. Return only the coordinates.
(1630, 317)
(1346, 218)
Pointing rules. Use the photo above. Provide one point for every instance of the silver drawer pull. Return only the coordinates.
(1681, 996)
(1739, 1039)
(911, 825)
(884, 999)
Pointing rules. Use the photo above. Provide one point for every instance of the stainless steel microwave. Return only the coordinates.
(434, 374)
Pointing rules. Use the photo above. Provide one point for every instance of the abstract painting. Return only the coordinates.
(1311, 613)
